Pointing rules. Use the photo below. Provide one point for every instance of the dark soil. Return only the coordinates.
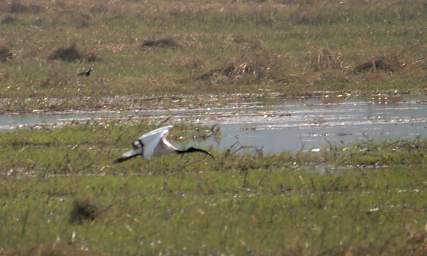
(72, 53)
(5, 54)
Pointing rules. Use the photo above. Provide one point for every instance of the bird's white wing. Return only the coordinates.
(154, 133)
(164, 147)
(152, 139)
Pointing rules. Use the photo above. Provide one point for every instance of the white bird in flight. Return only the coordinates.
(154, 143)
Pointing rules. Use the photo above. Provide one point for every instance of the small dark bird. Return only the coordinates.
(86, 73)
(154, 143)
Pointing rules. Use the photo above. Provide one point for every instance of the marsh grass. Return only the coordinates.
(213, 36)
(327, 59)
(258, 67)
(90, 149)
(370, 198)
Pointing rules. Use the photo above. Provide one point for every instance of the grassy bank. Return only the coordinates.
(144, 48)
(60, 194)
(90, 149)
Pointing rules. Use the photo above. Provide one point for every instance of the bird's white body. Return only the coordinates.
(154, 143)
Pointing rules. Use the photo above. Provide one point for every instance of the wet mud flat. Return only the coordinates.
(267, 124)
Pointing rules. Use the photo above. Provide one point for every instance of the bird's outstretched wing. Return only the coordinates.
(145, 144)
(155, 133)
(153, 138)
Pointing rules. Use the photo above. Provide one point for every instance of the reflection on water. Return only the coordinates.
(280, 125)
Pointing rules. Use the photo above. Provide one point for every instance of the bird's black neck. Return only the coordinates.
(193, 150)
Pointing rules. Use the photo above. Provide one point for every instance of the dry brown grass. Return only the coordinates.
(260, 66)
(327, 59)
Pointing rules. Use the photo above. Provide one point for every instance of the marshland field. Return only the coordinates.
(60, 194)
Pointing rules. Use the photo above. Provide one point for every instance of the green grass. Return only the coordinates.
(297, 213)
(235, 204)
(282, 40)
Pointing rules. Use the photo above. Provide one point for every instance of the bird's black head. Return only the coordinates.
(138, 145)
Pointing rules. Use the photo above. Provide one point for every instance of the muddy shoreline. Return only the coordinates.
(128, 103)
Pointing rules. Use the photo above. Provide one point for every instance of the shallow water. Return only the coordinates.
(275, 125)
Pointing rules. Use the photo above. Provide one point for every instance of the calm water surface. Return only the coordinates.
(277, 125)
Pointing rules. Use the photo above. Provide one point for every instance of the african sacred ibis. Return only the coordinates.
(154, 143)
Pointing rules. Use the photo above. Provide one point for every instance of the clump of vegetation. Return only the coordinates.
(72, 53)
(167, 42)
(385, 64)
(259, 67)
(85, 209)
(5, 53)
(327, 59)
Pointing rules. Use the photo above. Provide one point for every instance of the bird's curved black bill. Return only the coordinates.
(122, 159)
(126, 156)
